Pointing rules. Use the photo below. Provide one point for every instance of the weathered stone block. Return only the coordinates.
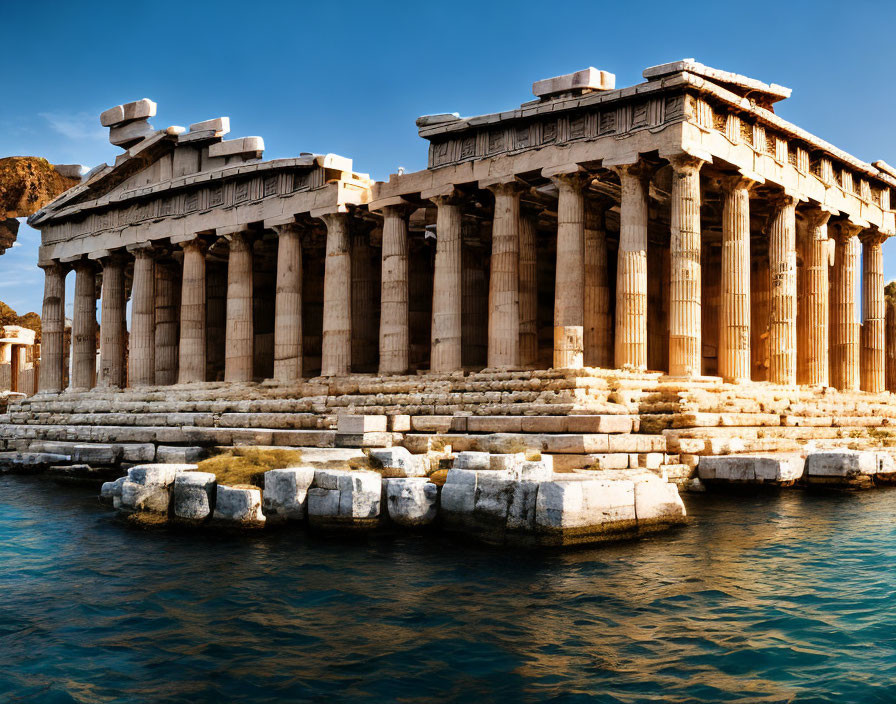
(472, 460)
(111, 490)
(137, 110)
(179, 455)
(97, 455)
(397, 462)
(750, 469)
(285, 496)
(345, 498)
(657, 502)
(599, 424)
(356, 425)
(194, 495)
(158, 474)
(411, 502)
(244, 146)
(149, 498)
(238, 506)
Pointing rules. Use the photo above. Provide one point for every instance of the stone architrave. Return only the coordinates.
(817, 307)
(844, 343)
(52, 373)
(288, 306)
(528, 289)
(239, 334)
(394, 330)
(782, 273)
(503, 289)
(336, 350)
(598, 339)
(685, 350)
(569, 286)
(192, 356)
(873, 368)
(142, 344)
(631, 270)
(112, 323)
(445, 355)
(734, 326)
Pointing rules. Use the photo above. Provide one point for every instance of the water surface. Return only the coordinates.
(768, 598)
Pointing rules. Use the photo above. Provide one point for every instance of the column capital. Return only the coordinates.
(112, 257)
(398, 210)
(197, 243)
(333, 218)
(55, 264)
(142, 249)
(816, 216)
(684, 162)
(846, 230)
(872, 236)
(782, 200)
(737, 182)
(640, 170)
(511, 187)
(450, 195)
(288, 228)
(83, 264)
(239, 239)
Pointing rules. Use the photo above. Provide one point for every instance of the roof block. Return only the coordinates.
(588, 79)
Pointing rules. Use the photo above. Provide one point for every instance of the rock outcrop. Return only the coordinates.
(27, 184)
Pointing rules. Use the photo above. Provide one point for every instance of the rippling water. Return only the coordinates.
(760, 599)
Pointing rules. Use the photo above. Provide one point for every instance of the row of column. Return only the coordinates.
(583, 328)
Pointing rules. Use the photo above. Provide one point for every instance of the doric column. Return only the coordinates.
(112, 323)
(503, 285)
(569, 286)
(192, 313)
(167, 313)
(891, 345)
(598, 338)
(240, 331)
(365, 309)
(844, 313)
(394, 331)
(528, 292)
(445, 355)
(782, 268)
(52, 361)
(734, 325)
(631, 270)
(288, 306)
(142, 346)
(685, 351)
(874, 312)
(817, 307)
(84, 326)
(336, 354)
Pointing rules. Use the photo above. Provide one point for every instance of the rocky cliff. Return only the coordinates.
(27, 184)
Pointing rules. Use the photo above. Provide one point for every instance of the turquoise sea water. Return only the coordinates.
(768, 598)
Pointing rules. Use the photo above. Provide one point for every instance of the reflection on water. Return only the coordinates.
(759, 599)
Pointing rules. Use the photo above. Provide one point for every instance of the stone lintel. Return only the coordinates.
(329, 210)
(447, 191)
(74, 259)
(199, 137)
(377, 205)
(272, 223)
(684, 152)
(244, 146)
(220, 125)
(99, 254)
(586, 79)
(227, 232)
(146, 245)
(508, 180)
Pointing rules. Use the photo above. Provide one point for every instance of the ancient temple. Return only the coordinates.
(678, 225)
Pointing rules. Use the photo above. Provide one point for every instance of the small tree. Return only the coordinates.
(7, 315)
(32, 322)
(890, 292)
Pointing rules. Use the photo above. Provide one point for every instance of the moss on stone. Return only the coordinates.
(247, 465)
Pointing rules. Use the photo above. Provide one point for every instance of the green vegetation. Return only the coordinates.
(246, 466)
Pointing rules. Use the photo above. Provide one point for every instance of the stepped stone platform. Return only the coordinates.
(583, 418)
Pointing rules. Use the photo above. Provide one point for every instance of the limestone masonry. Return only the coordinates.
(619, 278)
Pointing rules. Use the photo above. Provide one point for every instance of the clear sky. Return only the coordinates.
(351, 77)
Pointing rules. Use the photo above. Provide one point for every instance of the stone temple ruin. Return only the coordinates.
(632, 277)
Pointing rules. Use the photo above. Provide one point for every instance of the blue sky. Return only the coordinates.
(351, 78)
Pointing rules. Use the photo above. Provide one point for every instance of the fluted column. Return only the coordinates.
(112, 323)
(631, 270)
(52, 358)
(142, 347)
(240, 331)
(569, 286)
(598, 338)
(528, 292)
(874, 312)
(365, 310)
(817, 306)
(844, 312)
(167, 313)
(685, 351)
(782, 268)
(445, 355)
(734, 325)
(394, 330)
(503, 287)
(891, 345)
(288, 306)
(193, 313)
(336, 350)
